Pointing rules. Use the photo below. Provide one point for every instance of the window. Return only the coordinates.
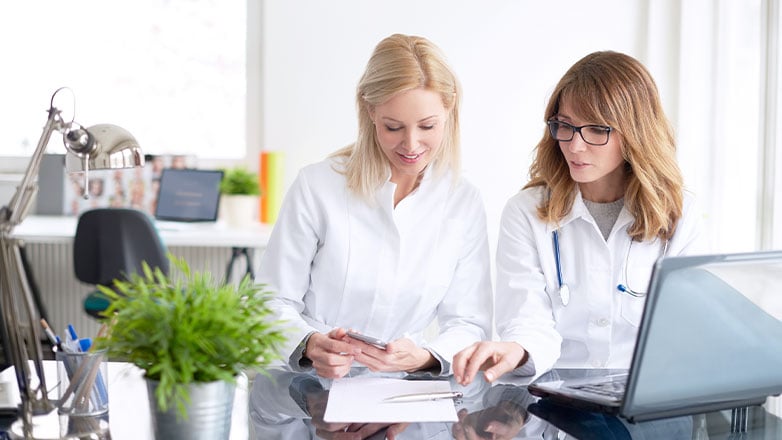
(171, 73)
(718, 119)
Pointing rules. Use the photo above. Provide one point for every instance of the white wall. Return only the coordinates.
(305, 57)
(508, 54)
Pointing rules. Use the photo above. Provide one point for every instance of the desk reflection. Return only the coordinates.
(290, 406)
(287, 405)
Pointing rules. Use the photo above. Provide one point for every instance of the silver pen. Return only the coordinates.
(421, 397)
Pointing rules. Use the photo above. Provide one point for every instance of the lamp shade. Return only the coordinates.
(113, 147)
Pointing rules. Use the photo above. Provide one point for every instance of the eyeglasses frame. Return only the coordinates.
(577, 129)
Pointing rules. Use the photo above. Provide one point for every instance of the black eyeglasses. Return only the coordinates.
(591, 134)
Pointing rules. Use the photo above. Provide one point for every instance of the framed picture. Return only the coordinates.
(125, 188)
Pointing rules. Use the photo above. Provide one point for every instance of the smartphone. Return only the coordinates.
(379, 343)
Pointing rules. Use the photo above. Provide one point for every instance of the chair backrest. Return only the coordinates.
(111, 243)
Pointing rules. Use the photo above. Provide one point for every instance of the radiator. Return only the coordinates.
(62, 294)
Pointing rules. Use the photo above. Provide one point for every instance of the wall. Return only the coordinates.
(8, 184)
(508, 54)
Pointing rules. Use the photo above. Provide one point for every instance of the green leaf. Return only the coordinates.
(240, 181)
(188, 328)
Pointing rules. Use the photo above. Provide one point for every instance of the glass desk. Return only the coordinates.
(129, 417)
(286, 405)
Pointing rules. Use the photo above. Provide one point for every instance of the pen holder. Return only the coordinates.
(83, 391)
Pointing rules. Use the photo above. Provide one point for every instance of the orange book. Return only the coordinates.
(271, 170)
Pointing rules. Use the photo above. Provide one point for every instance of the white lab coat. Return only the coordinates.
(598, 327)
(335, 260)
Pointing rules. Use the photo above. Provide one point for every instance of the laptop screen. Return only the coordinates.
(188, 195)
(711, 336)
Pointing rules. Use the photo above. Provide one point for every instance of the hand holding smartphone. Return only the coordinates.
(379, 343)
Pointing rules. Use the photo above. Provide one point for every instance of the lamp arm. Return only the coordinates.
(20, 330)
(21, 337)
(20, 203)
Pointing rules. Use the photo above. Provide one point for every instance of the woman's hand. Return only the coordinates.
(495, 358)
(399, 355)
(331, 356)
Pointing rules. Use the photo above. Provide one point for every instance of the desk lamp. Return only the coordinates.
(102, 146)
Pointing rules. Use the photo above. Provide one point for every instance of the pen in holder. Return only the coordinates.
(83, 392)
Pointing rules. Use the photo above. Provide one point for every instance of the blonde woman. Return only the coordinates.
(384, 236)
(577, 244)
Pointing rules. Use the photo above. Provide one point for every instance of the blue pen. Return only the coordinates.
(85, 344)
(71, 343)
(72, 333)
(103, 396)
(103, 393)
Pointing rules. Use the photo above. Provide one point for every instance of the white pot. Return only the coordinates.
(239, 211)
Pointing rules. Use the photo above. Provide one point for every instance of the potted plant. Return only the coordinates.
(240, 190)
(192, 336)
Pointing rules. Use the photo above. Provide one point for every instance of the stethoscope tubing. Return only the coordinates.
(564, 290)
(555, 238)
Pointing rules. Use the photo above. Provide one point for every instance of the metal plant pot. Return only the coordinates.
(208, 413)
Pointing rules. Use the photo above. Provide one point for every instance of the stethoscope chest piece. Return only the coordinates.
(564, 294)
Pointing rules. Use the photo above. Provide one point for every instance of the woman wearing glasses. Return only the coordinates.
(578, 243)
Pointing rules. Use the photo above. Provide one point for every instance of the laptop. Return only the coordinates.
(710, 338)
(188, 195)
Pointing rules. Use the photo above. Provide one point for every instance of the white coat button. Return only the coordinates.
(602, 322)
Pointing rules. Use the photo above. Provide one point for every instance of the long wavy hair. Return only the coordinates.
(398, 64)
(614, 89)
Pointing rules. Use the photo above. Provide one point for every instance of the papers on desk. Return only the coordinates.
(360, 400)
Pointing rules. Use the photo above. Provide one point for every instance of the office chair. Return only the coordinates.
(111, 243)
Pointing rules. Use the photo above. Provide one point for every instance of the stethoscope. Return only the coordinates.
(564, 290)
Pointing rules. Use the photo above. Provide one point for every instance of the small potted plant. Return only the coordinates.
(192, 336)
(240, 191)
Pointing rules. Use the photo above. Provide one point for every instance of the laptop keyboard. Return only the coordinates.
(614, 389)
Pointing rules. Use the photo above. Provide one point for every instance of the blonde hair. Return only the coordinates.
(398, 64)
(615, 89)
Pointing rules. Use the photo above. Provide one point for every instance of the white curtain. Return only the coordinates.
(716, 65)
(708, 59)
